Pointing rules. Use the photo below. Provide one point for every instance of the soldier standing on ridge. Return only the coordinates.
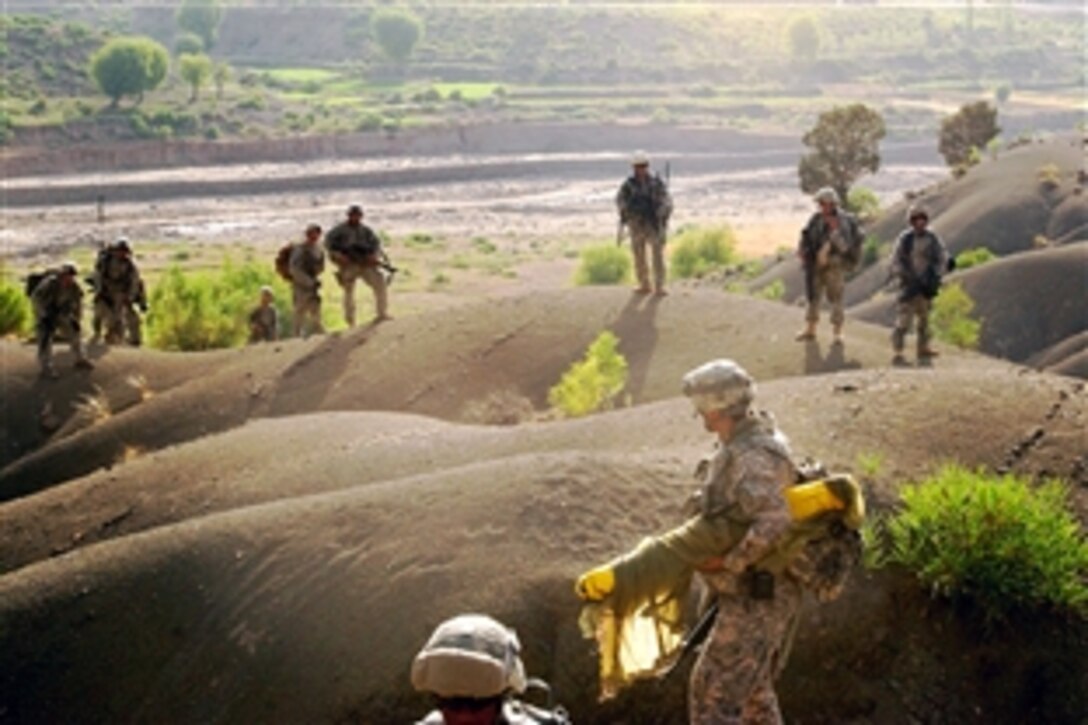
(918, 263)
(644, 205)
(119, 289)
(305, 266)
(357, 253)
(264, 319)
(58, 306)
(830, 247)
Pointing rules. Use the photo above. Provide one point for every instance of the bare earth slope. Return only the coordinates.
(446, 364)
(292, 581)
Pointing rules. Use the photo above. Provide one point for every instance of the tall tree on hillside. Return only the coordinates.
(804, 38)
(845, 144)
(397, 31)
(195, 69)
(202, 18)
(221, 74)
(972, 127)
(129, 66)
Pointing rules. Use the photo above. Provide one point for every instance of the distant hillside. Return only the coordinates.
(45, 57)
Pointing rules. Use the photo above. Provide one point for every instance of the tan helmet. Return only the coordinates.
(720, 385)
(640, 159)
(471, 655)
(68, 267)
(826, 194)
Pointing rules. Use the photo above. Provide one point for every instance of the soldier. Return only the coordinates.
(918, 262)
(264, 320)
(732, 681)
(118, 289)
(58, 306)
(830, 247)
(306, 264)
(472, 666)
(645, 206)
(357, 253)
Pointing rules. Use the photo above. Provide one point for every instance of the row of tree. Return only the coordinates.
(845, 144)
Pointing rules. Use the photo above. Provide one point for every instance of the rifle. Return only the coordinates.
(619, 232)
(695, 637)
(664, 231)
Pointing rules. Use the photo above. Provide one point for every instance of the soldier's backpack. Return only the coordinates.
(33, 280)
(283, 261)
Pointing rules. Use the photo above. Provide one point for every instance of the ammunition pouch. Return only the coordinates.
(759, 584)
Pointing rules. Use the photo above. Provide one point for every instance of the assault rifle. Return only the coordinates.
(692, 640)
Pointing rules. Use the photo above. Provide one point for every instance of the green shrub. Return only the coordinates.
(870, 251)
(1049, 176)
(15, 312)
(202, 310)
(774, 291)
(863, 202)
(591, 384)
(699, 250)
(483, 245)
(951, 319)
(974, 257)
(603, 264)
(998, 542)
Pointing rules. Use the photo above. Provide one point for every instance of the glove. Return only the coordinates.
(596, 584)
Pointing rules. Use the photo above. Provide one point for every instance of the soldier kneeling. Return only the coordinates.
(472, 665)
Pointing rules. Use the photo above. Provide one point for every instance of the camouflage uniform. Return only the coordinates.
(917, 262)
(118, 289)
(58, 307)
(645, 206)
(355, 250)
(732, 681)
(263, 324)
(306, 266)
(828, 254)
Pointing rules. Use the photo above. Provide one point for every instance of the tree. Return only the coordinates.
(845, 144)
(129, 66)
(397, 31)
(804, 39)
(221, 74)
(188, 43)
(971, 127)
(202, 18)
(195, 70)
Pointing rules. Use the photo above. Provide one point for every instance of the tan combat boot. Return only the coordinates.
(807, 334)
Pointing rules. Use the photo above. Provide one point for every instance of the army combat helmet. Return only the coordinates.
(720, 385)
(471, 656)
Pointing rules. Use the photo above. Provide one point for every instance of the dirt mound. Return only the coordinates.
(445, 364)
(296, 587)
(1003, 205)
(1068, 357)
(1027, 302)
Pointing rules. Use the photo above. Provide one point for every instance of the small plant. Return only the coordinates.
(863, 202)
(870, 251)
(700, 250)
(483, 246)
(974, 257)
(591, 384)
(869, 465)
(15, 312)
(952, 320)
(1040, 241)
(774, 291)
(1049, 176)
(1000, 543)
(603, 264)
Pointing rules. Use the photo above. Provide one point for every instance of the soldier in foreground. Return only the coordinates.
(357, 253)
(264, 319)
(58, 307)
(118, 289)
(644, 205)
(305, 266)
(472, 666)
(918, 263)
(830, 247)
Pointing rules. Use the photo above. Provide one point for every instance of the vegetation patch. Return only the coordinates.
(974, 257)
(998, 542)
(591, 384)
(700, 250)
(603, 264)
(952, 318)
